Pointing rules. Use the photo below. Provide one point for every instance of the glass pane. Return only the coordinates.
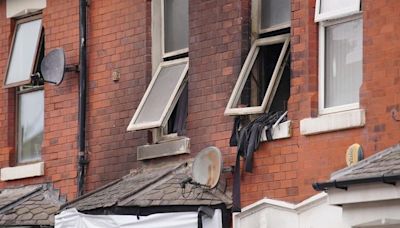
(343, 63)
(160, 94)
(260, 76)
(24, 51)
(274, 12)
(30, 125)
(337, 5)
(176, 25)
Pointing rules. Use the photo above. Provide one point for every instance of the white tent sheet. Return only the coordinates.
(71, 218)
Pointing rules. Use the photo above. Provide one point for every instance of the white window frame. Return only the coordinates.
(352, 8)
(24, 91)
(321, 69)
(245, 72)
(23, 7)
(172, 53)
(34, 60)
(171, 102)
(257, 12)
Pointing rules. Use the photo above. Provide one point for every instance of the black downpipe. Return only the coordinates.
(82, 161)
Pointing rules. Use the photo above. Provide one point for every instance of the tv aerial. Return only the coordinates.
(53, 67)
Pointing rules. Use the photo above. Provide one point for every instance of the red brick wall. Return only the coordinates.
(119, 39)
(285, 169)
(60, 20)
(215, 55)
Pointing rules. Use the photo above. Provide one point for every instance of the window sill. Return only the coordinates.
(22, 171)
(333, 122)
(181, 145)
(281, 131)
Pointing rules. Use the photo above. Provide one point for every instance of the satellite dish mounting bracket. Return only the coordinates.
(72, 68)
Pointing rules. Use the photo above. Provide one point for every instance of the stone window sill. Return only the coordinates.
(181, 145)
(333, 122)
(281, 131)
(22, 171)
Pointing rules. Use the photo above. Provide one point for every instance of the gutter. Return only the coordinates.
(344, 184)
(82, 157)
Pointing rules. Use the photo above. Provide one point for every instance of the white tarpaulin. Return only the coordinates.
(71, 218)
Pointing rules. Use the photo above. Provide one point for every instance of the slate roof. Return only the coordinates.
(381, 167)
(152, 187)
(29, 205)
(386, 162)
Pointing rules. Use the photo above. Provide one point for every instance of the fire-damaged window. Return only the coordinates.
(163, 108)
(26, 53)
(260, 97)
(263, 84)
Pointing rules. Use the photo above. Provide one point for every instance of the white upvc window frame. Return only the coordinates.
(171, 102)
(353, 8)
(18, 144)
(39, 40)
(321, 69)
(257, 12)
(172, 53)
(245, 72)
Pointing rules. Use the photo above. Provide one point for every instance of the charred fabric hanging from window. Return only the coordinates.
(247, 139)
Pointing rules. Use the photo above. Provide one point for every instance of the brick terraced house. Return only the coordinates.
(282, 88)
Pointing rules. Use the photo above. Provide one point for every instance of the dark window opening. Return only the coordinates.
(259, 80)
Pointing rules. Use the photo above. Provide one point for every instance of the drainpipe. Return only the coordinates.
(82, 161)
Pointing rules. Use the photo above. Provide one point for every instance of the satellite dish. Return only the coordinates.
(207, 167)
(53, 66)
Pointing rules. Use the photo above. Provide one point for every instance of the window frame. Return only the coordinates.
(172, 53)
(354, 8)
(171, 102)
(38, 45)
(258, 11)
(245, 72)
(321, 69)
(18, 145)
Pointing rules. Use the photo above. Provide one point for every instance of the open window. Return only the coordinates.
(161, 96)
(24, 53)
(260, 87)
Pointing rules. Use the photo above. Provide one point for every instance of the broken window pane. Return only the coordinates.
(256, 90)
(23, 52)
(260, 76)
